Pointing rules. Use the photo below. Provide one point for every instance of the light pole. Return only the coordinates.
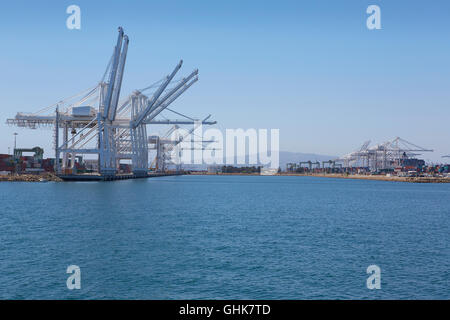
(15, 140)
(16, 161)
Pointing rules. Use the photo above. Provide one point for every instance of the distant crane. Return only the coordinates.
(165, 146)
(309, 163)
(384, 155)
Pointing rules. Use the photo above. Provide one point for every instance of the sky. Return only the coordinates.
(309, 68)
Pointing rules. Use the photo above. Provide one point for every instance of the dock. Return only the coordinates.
(97, 177)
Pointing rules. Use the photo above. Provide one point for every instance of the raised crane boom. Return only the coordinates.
(118, 83)
(112, 78)
(170, 97)
(156, 95)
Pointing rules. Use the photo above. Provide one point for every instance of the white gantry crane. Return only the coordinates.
(168, 147)
(383, 156)
(103, 126)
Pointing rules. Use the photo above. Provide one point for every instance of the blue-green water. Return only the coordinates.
(225, 237)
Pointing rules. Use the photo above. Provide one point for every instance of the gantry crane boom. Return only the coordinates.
(172, 96)
(118, 82)
(112, 78)
(156, 95)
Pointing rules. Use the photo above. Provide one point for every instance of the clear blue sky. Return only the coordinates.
(310, 68)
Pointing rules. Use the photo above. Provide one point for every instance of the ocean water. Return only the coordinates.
(225, 237)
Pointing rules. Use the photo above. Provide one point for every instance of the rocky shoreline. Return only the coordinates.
(52, 177)
(379, 178)
(31, 178)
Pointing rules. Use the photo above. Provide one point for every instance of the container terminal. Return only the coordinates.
(393, 160)
(396, 157)
(97, 136)
(108, 135)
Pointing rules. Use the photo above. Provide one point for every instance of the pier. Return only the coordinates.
(98, 177)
